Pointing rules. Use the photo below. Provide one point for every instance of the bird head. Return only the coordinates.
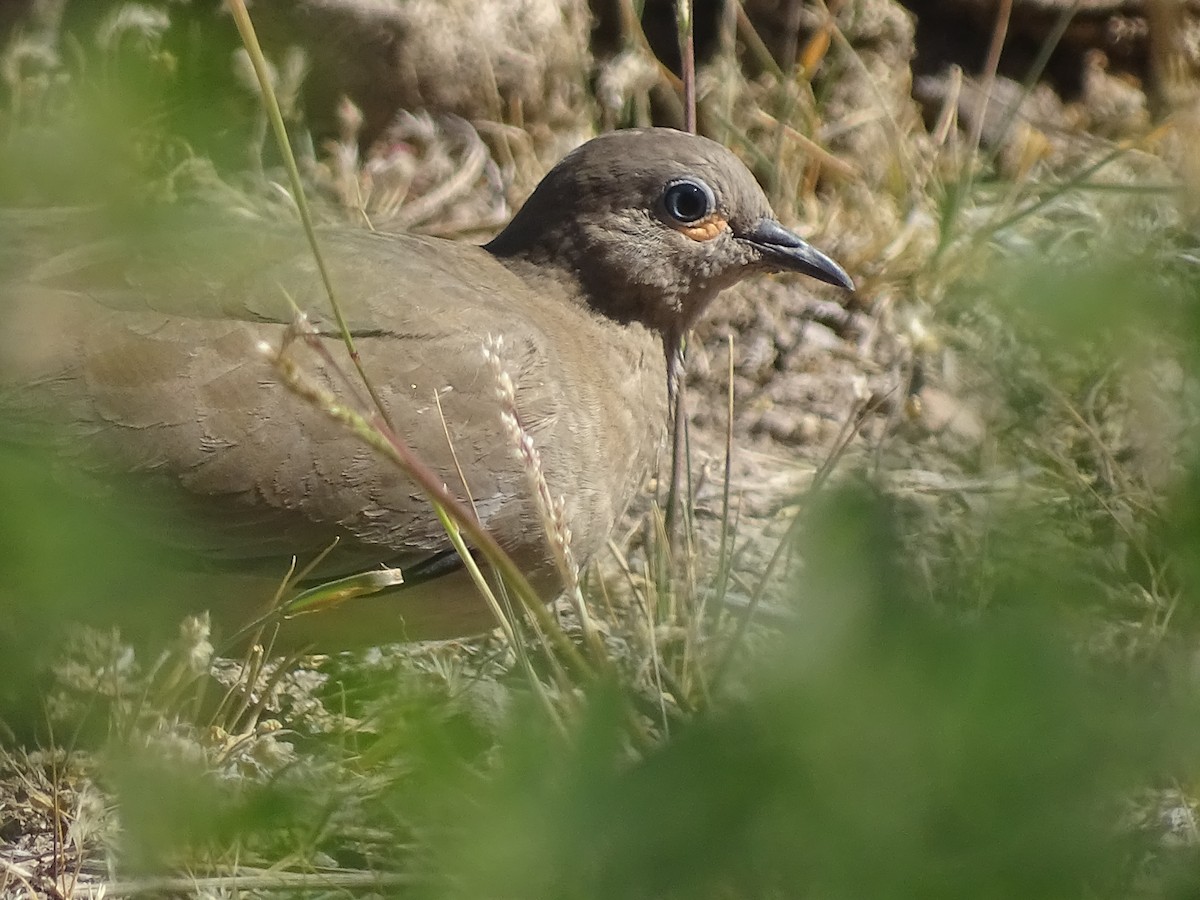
(652, 224)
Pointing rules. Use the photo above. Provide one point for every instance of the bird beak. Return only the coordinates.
(789, 252)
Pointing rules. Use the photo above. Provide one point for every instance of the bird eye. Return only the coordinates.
(688, 201)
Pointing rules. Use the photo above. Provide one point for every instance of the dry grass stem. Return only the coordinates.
(380, 436)
(552, 510)
(262, 71)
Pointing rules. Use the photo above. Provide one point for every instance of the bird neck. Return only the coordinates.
(593, 281)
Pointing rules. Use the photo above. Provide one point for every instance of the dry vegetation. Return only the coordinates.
(932, 627)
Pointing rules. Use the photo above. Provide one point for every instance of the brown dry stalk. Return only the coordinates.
(379, 435)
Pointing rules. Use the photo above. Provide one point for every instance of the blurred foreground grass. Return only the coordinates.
(887, 744)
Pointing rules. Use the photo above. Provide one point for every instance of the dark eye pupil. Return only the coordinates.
(686, 202)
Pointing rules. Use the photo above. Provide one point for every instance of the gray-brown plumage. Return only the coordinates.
(144, 354)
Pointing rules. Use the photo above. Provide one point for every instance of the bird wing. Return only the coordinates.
(141, 354)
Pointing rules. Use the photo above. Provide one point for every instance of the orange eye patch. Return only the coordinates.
(707, 228)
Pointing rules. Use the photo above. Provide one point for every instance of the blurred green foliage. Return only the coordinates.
(60, 560)
(884, 749)
(887, 746)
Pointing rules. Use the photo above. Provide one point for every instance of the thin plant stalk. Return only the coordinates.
(999, 34)
(271, 103)
(685, 22)
(680, 468)
(379, 435)
(850, 429)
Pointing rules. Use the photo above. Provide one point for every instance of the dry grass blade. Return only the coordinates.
(383, 439)
(850, 430)
(631, 24)
(832, 164)
(249, 880)
(904, 147)
(748, 33)
(13, 871)
(1053, 37)
(999, 33)
(677, 403)
(680, 469)
(501, 606)
(551, 509)
(724, 552)
(430, 204)
(685, 24)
